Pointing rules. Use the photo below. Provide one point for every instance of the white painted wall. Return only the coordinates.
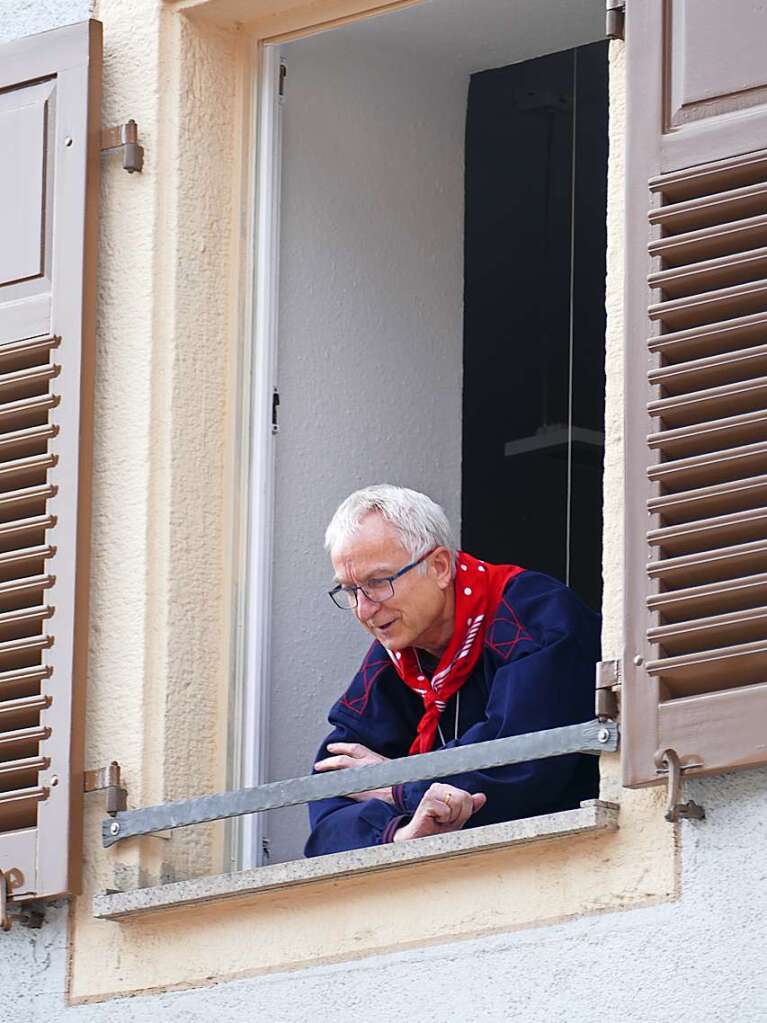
(370, 355)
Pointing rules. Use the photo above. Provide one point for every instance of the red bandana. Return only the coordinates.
(479, 587)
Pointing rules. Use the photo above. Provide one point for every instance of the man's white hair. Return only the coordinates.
(419, 521)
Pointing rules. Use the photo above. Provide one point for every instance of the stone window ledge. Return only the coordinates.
(593, 816)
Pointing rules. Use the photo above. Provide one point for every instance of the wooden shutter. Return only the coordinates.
(49, 163)
(695, 677)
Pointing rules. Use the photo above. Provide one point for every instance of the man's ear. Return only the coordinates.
(442, 564)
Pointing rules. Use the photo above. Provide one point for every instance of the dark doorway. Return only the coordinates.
(534, 321)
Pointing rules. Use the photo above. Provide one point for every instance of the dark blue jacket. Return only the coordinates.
(536, 672)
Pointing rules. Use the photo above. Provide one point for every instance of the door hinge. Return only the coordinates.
(275, 406)
(125, 137)
(107, 779)
(608, 684)
(615, 19)
(283, 76)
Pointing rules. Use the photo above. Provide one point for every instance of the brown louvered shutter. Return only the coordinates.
(695, 674)
(49, 166)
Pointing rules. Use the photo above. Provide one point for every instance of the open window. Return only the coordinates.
(429, 312)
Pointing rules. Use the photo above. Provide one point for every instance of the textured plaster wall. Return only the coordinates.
(700, 958)
(370, 352)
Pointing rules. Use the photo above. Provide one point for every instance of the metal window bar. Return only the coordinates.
(588, 737)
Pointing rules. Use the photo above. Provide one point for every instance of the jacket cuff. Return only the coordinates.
(387, 835)
(407, 797)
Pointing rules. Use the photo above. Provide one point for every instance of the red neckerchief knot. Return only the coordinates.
(479, 587)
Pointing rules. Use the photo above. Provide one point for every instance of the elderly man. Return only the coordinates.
(463, 651)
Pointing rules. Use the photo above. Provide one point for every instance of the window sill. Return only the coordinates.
(592, 816)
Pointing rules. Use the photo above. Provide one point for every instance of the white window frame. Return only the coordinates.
(255, 471)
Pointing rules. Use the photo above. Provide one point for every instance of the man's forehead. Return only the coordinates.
(374, 547)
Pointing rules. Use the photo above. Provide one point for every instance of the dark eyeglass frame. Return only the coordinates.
(344, 593)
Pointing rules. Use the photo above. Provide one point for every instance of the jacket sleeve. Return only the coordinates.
(382, 714)
(342, 823)
(546, 682)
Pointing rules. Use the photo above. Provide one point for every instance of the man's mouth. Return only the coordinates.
(385, 625)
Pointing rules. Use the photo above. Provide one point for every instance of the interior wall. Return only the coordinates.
(370, 343)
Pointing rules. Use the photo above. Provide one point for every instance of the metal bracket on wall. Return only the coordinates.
(5, 920)
(615, 19)
(107, 779)
(125, 137)
(676, 810)
(608, 683)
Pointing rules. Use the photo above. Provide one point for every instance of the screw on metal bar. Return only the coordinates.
(675, 808)
(125, 137)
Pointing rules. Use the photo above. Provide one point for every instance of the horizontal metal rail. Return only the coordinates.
(589, 737)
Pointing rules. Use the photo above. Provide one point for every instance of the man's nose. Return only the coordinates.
(366, 607)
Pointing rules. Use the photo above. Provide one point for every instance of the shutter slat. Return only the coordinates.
(26, 407)
(699, 672)
(710, 242)
(723, 630)
(699, 310)
(9, 708)
(689, 537)
(19, 440)
(23, 736)
(711, 403)
(34, 375)
(712, 371)
(708, 566)
(25, 345)
(707, 275)
(710, 598)
(22, 766)
(719, 499)
(710, 178)
(710, 467)
(24, 676)
(748, 428)
(718, 208)
(710, 339)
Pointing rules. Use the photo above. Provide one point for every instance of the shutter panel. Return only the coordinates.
(49, 167)
(696, 371)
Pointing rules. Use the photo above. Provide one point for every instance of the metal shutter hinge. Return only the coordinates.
(668, 762)
(608, 684)
(615, 19)
(125, 137)
(107, 779)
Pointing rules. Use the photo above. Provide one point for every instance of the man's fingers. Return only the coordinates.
(479, 800)
(351, 749)
(335, 763)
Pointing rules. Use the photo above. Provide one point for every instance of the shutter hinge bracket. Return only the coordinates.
(608, 684)
(668, 762)
(615, 19)
(107, 779)
(125, 137)
(275, 407)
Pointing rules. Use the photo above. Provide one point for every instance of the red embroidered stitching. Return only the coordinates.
(505, 648)
(371, 670)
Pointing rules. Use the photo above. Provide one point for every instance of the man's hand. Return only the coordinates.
(354, 754)
(443, 808)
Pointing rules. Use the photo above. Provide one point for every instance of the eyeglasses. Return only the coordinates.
(376, 590)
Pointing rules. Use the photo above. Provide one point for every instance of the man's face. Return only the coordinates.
(416, 614)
